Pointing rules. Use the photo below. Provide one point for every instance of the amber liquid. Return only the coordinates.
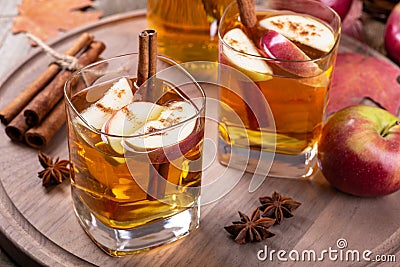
(128, 191)
(187, 29)
(297, 105)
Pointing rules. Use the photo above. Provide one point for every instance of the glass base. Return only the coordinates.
(117, 242)
(254, 161)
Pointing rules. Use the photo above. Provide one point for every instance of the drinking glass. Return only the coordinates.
(294, 88)
(138, 163)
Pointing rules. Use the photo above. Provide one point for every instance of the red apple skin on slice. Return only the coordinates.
(167, 154)
(169, 136)
(127, 120)
(277, 46)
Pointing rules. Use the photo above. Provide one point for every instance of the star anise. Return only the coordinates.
(278, 207)
(54, 172)
(253, 229)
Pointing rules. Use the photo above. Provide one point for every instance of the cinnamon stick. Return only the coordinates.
(247, 13)
(152, 52)
(147, 67)
(143, 59)
(39, 136)
(10, 111)
(248, 17)
(158, 181)
(16, 129)
(147, 60)
(45, 101)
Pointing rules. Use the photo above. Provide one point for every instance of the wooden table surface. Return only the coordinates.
(14, 48)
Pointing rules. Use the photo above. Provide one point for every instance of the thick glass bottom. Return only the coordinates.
(268, 163)
(117, 242)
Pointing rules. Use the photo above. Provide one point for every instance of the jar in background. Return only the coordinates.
(187, 29)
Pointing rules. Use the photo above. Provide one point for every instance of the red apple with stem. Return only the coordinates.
(359, 151)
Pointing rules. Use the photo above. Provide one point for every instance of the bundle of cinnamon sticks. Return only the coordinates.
(38, 112)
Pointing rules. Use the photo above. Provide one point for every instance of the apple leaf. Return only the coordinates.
(352, 25)
(45, 18)
(358, 76)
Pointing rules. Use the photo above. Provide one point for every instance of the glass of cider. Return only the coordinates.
(289, 54)
(136, 152)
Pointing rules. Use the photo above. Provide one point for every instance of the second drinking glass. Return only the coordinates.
(289, 54)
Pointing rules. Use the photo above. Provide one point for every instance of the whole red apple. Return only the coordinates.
(359, 151)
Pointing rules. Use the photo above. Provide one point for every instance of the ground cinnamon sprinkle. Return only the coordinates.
(293, 26)
(308, 29)
(120, 93)
(278, 25)
(304, 33)
(104, 109)
(129, 115)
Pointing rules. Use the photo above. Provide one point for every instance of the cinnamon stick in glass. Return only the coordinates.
(248, 17)
(40, 136)
(10, 111)
(247, 13)
(45, 101)
(152, 52)
(143, 59)
(147, 63)
(147, 67)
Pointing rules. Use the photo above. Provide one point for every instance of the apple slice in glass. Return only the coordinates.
(173, 114)
(119, 95)
(302, 29)
(127, 120)
(169, 136)
(277, 46)
(151, 120)
(256, 68)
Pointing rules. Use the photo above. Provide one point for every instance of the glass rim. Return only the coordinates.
(327, 54)
(173, 63)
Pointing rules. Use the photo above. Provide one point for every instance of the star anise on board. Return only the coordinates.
(253, 229)
(54, 171)
(278, 207)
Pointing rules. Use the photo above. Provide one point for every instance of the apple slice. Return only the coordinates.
(127, 120)
(119, 95)
(302, 29)
(161, 145)
(257, 69)
(277, 46)
(174, 113)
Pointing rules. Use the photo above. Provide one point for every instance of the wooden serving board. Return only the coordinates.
(38, 226)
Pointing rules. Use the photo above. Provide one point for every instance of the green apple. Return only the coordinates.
(359, 151)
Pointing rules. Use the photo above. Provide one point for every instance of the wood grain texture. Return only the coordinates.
(39, 226)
